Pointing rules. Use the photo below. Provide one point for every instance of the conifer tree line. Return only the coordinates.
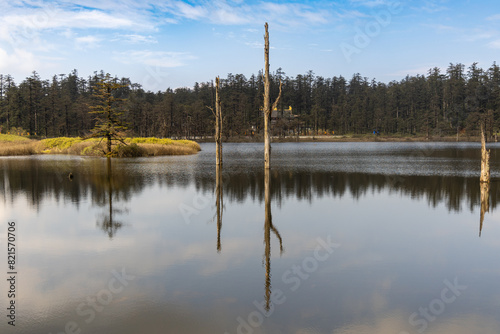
(435, 104)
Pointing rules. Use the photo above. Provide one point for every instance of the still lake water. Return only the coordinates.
(337, 238)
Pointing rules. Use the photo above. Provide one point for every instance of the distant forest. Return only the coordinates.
(435, 104)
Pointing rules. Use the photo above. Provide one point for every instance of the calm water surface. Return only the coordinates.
(337, 238)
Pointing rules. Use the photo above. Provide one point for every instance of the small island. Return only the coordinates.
(129, 147)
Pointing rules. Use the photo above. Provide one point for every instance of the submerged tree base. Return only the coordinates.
(133, 147)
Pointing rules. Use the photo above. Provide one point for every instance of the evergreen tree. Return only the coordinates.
(108, 110)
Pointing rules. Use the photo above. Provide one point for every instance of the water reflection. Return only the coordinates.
(107, 222)
(485, 202)
(268, 227)
(39, 179)
(396, 251)
(219, 203)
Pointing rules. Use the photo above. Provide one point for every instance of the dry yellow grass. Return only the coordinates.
(16, 145)
(17, 148)
(160, 149)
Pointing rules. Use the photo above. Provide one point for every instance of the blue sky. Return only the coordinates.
(163, 43)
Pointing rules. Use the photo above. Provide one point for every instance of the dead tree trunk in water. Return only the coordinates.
(218, 125)
(267, 103)
(485, 158)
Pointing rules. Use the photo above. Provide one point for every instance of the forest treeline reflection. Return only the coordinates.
(38, 180)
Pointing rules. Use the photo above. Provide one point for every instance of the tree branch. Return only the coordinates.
(275, 104)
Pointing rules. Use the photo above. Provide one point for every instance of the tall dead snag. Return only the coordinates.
(267, 102)
(218, 125)
(485, 158)
(484, 179)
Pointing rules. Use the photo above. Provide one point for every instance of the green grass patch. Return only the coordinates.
(136, 147)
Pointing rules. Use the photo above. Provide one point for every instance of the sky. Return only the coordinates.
(164, 44)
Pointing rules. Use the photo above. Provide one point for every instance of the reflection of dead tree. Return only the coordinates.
(268, 227)
(107, 224)
(485, 202)
(219, 202)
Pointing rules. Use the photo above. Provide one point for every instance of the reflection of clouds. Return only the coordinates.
(397, 322)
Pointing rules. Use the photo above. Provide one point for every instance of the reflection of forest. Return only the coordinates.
(38, 179)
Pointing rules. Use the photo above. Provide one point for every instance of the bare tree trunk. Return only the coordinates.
(218, 125)
(267, 103)
(485, 159)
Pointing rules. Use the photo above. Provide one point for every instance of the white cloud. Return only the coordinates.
(154, 58)
(495, 17)
(440, 27)
(494, 44)
(30, 22)
(423, 69)
(351, 14)
(188, 11)
(255, 45)
(370, 3)
(138, 39)
(431, 7)
(19, 59)
(87, 42)
(293, 14)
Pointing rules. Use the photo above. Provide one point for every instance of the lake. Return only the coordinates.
(337, 238)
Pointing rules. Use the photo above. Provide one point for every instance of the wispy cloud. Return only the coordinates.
(255, 45)
(421, 70)
(479, 35)
(137, 39)
(87, 42)
(351, 14)
(238, 13)
(441, 27)
(495, 17)
(20, 59)
(27, 22)
(494, 44)
(370, 3)
(154, 58)
(432, 7)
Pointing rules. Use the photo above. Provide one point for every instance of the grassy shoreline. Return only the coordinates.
(11, 145)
